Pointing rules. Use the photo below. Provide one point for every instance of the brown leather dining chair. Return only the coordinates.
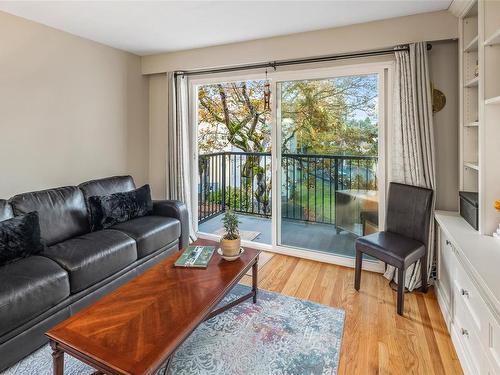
(406, 235)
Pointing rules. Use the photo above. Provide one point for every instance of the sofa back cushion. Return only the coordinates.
(62, 212)
(109, 210)
(19, 237)
(5, 210)
(107, 186)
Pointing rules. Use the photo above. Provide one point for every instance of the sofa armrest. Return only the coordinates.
(177, 210)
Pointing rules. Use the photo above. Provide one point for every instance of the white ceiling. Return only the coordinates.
(148, 27)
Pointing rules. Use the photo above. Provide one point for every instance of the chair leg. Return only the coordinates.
(423, 272)
(357, 272)
(401, 290)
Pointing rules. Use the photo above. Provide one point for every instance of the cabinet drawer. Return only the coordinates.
(466, 292)
(466, 333)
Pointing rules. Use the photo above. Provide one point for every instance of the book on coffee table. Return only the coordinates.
(196, 256)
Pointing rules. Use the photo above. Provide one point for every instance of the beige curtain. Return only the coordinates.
(413, 159)
(179, 161)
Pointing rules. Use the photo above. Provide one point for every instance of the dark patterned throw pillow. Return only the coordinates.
(108, 210)
(20, 237)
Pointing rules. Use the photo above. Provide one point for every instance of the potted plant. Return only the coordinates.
(230, 243)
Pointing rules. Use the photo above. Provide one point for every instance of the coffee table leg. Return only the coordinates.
(255, 270)
(57, 359)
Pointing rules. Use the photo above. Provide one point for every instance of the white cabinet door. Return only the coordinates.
(493, 344)
(446, 272)
(467, 334)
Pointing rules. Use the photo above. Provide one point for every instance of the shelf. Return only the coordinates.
(472, 46)
(473, 82)
(493, 39)
(471, 165)
(494, 100)
(473, 124)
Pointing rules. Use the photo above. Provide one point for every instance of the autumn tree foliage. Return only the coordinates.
(234, 114)
(334, 117)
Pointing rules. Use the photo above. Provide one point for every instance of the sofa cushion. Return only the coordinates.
(93, 257)
(151, 232)
(19, 237)
(106, 186)
(62, 212)
(5, 210)
(29, 287)
(109, 210)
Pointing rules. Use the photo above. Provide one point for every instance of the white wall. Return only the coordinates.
(443, 61)
(158, 116)
(380, 34)
(371, 35)
(70, 109)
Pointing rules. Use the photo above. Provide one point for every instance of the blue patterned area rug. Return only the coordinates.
(278, 335)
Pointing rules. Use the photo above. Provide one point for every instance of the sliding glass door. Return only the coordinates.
(233, 120)
(328, 131)
(297, 155)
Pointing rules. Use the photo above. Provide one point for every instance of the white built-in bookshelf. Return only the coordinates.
(470, 98)
(480, 107)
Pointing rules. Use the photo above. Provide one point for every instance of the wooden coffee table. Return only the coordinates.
(136, 328)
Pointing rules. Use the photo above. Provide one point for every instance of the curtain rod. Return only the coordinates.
(275, 64)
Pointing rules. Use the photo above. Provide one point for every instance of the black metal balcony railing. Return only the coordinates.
(241, 181)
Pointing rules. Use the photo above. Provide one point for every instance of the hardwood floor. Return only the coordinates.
(376, 339)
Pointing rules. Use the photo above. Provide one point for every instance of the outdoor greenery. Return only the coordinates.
(336, 116)
(321, 117)
(318, 207)
(234, 199)
(234, 114)
(333, 117)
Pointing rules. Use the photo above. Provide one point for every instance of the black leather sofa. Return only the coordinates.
(77, 266)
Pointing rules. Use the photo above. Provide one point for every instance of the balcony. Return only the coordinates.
(326, 201)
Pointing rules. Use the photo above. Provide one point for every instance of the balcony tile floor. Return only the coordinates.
(314, 236)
